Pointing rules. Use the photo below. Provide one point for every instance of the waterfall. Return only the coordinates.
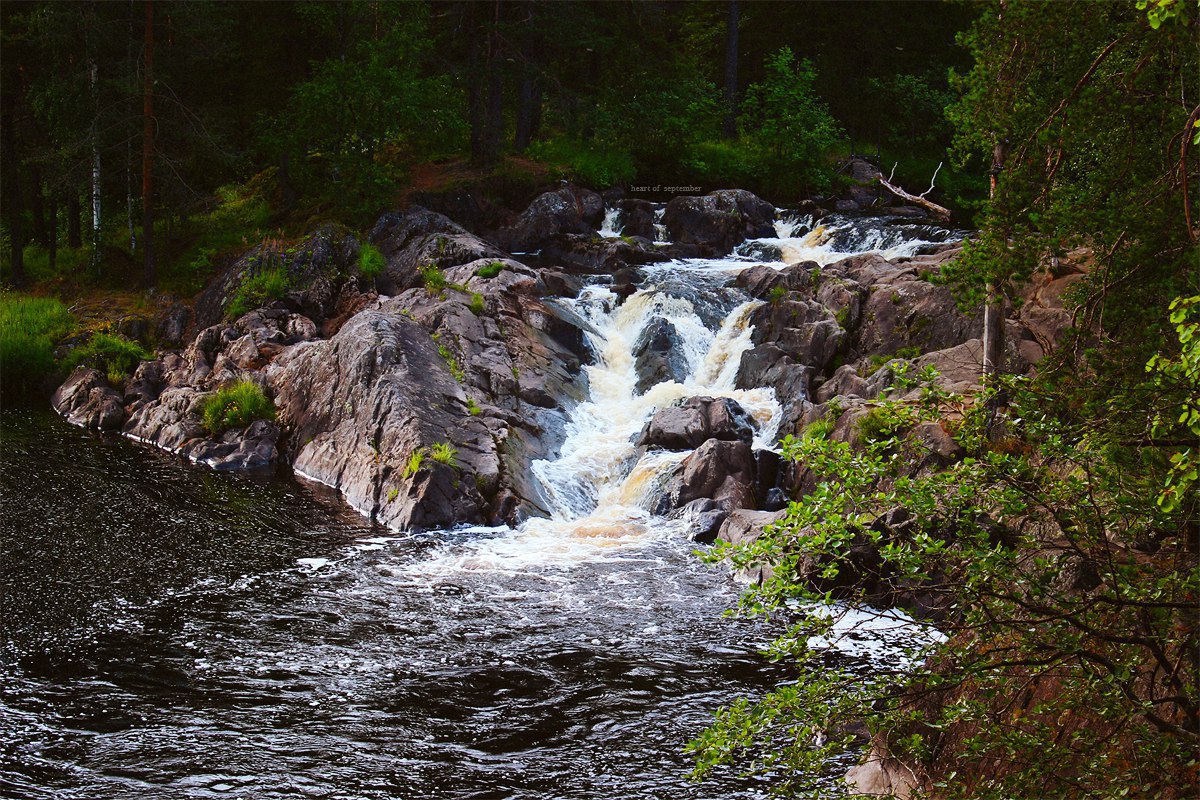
(610, 229)
(599, 486)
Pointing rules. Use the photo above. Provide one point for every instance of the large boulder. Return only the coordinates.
(317, 271)
(418, 239)
(658, 355)
(87, 400)
(743, 526)
(636, 218)
(720, 220)
(691, 422)
(568, 210)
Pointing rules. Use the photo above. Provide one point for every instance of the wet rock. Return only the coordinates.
(251, 449)
(568, 210)
(704, 518)
(87, 400)
(636, 218)
(776, 500)
(720, 220)
(592, 254)
(719, 470)
(658, 355)
(744, 526)
(804, 330)
(691, 422)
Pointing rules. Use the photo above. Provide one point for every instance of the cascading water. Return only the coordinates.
(610, 228)
(218, 635)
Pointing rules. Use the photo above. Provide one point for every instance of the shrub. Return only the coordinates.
(777, 293)
(445, 453)
(473, 408)
(255, 291)
(592, 165)
(876, 425)
(491, 270)
(113, 355)
(29, 326)
(392, 495)
(235, 406)
(370, 261)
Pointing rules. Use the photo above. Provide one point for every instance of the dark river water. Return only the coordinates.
(168, 631)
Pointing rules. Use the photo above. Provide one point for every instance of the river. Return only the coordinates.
(168, 631)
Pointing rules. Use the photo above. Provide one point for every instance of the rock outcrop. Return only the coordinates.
(568, 210)
(658, 355)
(720, 220)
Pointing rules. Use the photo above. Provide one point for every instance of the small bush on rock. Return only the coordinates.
(236, 406)
(370, 261)
(113, 355)
(491, 270)
(255, 291)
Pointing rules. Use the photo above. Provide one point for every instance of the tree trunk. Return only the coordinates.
(148, 151)
(729, 129)
(74, 236)
(93, 76)
(52, 232)
(13, 205)
(993, 311)
(494, 124)
(37, 206)
(476, 36)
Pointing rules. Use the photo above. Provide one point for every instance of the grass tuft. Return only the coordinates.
(29, 327)
(235, 406)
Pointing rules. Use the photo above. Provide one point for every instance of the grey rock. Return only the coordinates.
(691, 422)
(720, 220)
(658, 355)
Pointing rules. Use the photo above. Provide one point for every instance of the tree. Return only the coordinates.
(1059, 557)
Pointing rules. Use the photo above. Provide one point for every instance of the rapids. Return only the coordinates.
(168, 631)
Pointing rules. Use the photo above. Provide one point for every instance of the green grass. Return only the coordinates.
(370, 261)
(115, 356)
(875, 426)
(415, 460)
(456, 369)
(476, 306)
(434, 280)
(392, 495)
(29, 327)
(255, 291)
(585, 163)
(445, 453)
(235, 406)
(820, 429)
(491, 270)
(776, 294)
(473, 408)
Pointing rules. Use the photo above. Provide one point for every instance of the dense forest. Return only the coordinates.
(368, 177)
(142, 134)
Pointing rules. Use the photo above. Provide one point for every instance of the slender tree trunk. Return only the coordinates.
(475, 80)
(13, 206)
(494, 124)
(74, 236)
(52, 232)
(993, 310)
(93, 76)
(37, 206)
(131, 66)
(729, 129)
(148, 150)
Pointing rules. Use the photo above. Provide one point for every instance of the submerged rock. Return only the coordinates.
(658, 355)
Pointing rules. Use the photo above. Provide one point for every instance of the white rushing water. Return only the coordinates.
(599, 486)
(609, 229)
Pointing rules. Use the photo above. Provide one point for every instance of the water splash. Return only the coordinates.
(610, 228)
